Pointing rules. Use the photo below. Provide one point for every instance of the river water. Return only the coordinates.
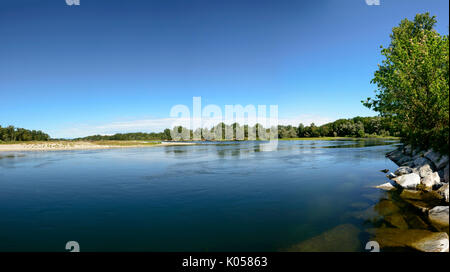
(231, 196)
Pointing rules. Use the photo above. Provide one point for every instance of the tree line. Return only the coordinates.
(136, 136)
(358, 127)
(11, 134)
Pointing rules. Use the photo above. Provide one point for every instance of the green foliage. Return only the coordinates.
(12, 134)
(356, 127)
(138, 136)
(413, 83)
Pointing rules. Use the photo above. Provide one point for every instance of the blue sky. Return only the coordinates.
(119, 66)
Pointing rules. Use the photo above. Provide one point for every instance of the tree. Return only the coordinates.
(413, 86)
(314, 130)
(166, 134)
(301, 130)
(11, 133)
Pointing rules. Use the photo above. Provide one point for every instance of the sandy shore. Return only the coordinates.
(50, 146)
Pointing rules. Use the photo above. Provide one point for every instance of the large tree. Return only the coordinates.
(413, 83)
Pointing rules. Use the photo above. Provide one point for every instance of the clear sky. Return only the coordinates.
(119, 66)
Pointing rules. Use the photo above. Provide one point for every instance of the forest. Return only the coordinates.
(357, 127)
(13, 134)
(136, 136)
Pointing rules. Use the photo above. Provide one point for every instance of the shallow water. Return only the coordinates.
(208, 197)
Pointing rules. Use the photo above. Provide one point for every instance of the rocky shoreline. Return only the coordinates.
(422, 180)
(425, 171)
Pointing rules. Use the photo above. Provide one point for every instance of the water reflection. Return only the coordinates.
(178, 198)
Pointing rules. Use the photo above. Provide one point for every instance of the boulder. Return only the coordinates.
(411, 194)
(343, 238)
(386, 186)
(397, 221)
(437, 242)
(438, 216)
(443, 191)
(400, 158)
(405, 161)
(420, 205)
(378, 212)
(409, 181)
(395, 155)
(425, 170)
(422, 200)
(422, 240)
(386, 207)
(368, 214)
(431, 180)
(431, 197)
(420, 161)
(440, 161)
(391, 175)
(403, 170)
(415, 221)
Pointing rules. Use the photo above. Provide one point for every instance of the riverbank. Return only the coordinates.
(422, 181)
(81, 145)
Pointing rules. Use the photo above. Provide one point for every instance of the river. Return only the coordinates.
(228, 196)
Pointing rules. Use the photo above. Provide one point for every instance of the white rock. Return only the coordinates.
(409, 181)
(443, 191)
(431, 180)
(439, 216)
(425, 170)
(386, 186)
